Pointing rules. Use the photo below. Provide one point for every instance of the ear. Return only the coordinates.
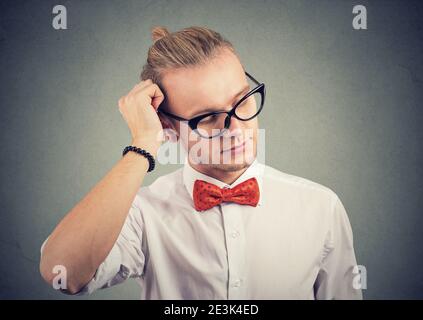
(164, 121)
(168, 125)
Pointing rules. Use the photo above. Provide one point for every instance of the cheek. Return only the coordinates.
(205, 147)
(212, 147)
(186, 136)
(253, 124)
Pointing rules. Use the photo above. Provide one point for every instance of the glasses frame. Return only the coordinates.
(193, 122)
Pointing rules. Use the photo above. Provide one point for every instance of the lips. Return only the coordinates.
(239, 146)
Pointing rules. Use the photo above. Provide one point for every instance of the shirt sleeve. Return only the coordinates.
(337, 275)
(126, 258)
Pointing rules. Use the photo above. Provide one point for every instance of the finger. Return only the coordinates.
(156, 95)
(140, 85)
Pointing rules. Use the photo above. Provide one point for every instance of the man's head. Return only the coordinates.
(199, 72)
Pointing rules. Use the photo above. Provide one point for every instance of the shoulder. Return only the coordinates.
(297, 187)
(275, 176)
(309, 199)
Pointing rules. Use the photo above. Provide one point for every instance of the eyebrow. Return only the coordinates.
(212, 109)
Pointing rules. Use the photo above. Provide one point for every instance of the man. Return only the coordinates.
(224, 226)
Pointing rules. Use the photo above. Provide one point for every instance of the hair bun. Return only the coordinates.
(159, 32)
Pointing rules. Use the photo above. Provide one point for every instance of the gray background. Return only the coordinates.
(343, 109)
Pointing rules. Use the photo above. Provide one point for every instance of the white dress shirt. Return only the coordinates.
(297, 243)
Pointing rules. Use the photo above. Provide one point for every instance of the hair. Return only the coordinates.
(189, 47)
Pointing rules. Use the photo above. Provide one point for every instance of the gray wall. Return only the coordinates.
(343, 109)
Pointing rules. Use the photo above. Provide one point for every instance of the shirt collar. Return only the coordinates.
(255, 169)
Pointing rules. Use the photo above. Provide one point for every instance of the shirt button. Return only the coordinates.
(235, 234)
(237, 283)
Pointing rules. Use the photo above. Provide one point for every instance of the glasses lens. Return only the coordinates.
(249, 108)
(212, 125)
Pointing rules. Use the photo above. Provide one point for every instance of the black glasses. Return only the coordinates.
(215, 123)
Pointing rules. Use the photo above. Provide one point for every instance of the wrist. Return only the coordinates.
(142, 152)
(147, 144)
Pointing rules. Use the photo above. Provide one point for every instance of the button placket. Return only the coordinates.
(235, 234)
(235, 245)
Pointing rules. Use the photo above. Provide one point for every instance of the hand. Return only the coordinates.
(139, 109)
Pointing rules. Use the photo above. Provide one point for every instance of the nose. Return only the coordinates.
(235, 129)
(235, 124)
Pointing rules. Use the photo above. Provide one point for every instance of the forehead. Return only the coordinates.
(189, 90)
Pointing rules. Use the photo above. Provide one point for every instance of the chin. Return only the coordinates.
(230, 167)
(236, 164)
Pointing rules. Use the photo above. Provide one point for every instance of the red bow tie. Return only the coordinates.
(207, 195)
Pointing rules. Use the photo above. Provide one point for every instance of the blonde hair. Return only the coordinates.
(188, 47)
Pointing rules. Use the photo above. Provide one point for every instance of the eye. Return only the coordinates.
(209, 118)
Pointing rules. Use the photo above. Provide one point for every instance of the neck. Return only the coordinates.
(225, 175)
